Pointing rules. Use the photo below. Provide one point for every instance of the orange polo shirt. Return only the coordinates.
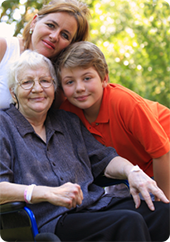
(137, 128)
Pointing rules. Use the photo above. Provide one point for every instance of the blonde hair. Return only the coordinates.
(32, 60)
(82, 54)
(75, 8)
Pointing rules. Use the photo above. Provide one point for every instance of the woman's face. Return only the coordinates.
(52, 33)
(37, 100)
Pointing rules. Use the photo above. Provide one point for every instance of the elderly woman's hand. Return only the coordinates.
(68, 195)
(140, 182)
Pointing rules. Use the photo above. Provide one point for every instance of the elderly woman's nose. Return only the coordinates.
(37, 86)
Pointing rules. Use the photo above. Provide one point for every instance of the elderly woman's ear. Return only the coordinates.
(13, 94)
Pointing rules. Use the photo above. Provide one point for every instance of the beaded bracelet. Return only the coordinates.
(28, 193)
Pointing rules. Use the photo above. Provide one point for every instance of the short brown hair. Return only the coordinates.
(82, 54)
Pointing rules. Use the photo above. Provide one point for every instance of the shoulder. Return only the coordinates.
(67, 122)
(3, 112)
(120, 95)
(9, 48)
(67, 106)
(127, 104)
(63, 116)
(9, 115)
(5, 120)
(123, 92)
(3, 47)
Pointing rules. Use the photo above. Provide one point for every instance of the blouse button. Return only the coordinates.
(97, 123)
(54, 164)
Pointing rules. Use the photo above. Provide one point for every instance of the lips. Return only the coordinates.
(49, 44)
(37, 99)
(82, 98)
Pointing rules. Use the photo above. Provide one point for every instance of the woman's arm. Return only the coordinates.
(3, 47)
(68, 195)
(161, 169)
(139, 182)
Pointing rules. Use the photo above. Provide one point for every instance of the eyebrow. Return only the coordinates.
(67, 77)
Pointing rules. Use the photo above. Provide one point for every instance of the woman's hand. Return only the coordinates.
(141, 183)
(120, 168)
(68, 195)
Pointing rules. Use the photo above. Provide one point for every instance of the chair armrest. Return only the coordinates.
(104, 181)
(11, 207)
(16, 206)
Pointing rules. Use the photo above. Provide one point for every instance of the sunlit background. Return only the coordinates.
(6, 30)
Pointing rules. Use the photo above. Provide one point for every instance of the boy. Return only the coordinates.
(137, 128)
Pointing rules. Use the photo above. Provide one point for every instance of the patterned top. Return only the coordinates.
(70, 154)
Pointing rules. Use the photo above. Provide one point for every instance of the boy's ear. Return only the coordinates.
(105, 81)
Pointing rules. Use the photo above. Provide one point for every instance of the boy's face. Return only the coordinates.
(83, 87)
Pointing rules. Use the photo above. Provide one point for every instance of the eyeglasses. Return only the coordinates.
(44, 82)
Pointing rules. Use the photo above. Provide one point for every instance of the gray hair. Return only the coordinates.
(30, 59)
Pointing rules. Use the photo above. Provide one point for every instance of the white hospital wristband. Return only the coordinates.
(28, 193)
(135, 168)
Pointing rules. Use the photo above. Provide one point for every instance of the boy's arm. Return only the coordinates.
(139, 181)
(161, 170)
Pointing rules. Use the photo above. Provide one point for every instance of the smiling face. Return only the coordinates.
(38, 100)
(52, 33)
(83, 88)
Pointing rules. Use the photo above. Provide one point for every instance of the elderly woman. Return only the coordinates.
(51, 30)
(50, 160)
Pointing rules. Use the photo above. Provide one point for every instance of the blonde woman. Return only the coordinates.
(52, 29)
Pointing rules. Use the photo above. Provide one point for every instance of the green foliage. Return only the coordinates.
(22, 9)
(133, 35)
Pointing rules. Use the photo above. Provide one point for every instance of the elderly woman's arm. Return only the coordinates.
(68, 195)
(139, 182)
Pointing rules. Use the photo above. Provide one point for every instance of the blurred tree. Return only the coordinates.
(133, 35)
(19, 12)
